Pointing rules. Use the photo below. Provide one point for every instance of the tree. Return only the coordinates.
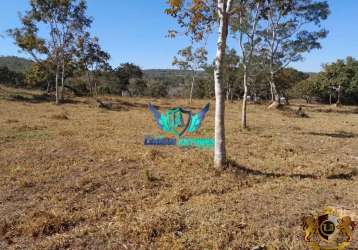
(125, 72)
(284, 36)
(198, 17)
(137, 87)
(204, 83)
(308, 88)
(192, 61)
(64, 20)
(342, 80)
(5, 75)
(339, 78)
(286, 79)
(39, 75)
(157, 88)
(245, 21)
(204, 88)
(337, 82)
(10, 77)
(92, 59)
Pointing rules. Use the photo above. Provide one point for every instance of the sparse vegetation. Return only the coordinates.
(91, 182)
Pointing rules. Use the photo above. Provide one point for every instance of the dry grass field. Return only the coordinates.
(76, 176)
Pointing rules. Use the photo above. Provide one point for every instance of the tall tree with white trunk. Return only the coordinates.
(198, 18)
(244, 23)
(291, 28)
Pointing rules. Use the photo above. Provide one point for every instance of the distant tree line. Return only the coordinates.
(336, 83)
(130, 79)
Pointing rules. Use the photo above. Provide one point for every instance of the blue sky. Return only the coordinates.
(134, 31)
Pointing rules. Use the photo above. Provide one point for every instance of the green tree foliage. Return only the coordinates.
(137, 87)
(124, 73)
(9, 77)
(38, 75)
(337, 82)
(204, 88)
(342, 78)
(309, 88)
(157, 89)
(286, 79)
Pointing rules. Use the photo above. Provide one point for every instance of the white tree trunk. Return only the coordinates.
(56, 83)
(95, 88)
(339, 93)
(228, 92)
(274, 93)
(220, 149)
(62, 78)
(89, 83)
(192, 88)
(48, 87)
(244, 101)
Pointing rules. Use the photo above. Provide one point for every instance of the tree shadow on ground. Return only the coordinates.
(119, 105)
(339, 134)
(343, 111)
(344, 176)
(42, 98)
(329, 109)
(240, 169)
(30, 98)
(348, 176)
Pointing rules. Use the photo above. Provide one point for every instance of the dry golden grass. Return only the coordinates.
(76, 176)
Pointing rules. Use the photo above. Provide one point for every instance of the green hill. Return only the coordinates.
(15, 63)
